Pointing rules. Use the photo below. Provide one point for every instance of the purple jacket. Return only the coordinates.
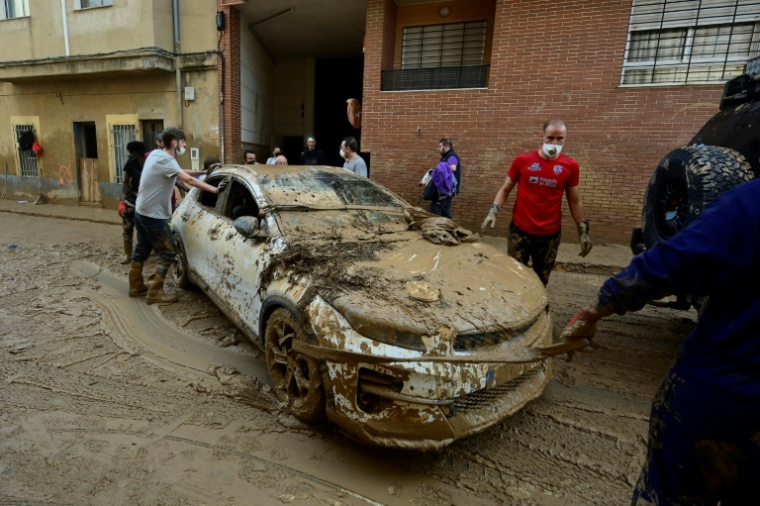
(443, 179)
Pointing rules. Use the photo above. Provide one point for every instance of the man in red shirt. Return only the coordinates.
(542, 177)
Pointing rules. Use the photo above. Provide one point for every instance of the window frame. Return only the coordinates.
(118, 120)
(78, 5)
(4, 10)
(692, 23)
(443, 41)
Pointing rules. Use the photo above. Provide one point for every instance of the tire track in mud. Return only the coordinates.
(140, 329)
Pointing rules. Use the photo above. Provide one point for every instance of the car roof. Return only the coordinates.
(260, 170)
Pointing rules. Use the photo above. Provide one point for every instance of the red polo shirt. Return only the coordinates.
(541, 183)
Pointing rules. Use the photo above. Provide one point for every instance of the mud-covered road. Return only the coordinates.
(106, 401)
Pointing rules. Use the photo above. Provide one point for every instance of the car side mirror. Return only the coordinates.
(249, 227)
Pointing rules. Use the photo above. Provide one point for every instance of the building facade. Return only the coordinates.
(633, 80)
(89, 76)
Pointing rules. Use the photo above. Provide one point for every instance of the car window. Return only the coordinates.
(208, 199)
(321, 188)
(239, 202)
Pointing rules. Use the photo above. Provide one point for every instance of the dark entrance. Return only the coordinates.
(337, 80)
(151, 127)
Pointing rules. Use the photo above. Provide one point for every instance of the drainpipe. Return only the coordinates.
(65, 27)
(177, 73)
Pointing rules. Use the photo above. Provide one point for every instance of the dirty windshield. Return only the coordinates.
(330, 189)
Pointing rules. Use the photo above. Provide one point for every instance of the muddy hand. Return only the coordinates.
(122, 208)
(223, 185)
(584, 234)
(491, 218)
(582, 326)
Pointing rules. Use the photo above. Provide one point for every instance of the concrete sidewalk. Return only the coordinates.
(605, 258)
(77, 213)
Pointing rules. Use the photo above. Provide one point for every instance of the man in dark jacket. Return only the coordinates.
(132, 172)
(704, 434)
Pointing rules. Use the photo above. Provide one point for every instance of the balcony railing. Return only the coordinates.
(472, 76)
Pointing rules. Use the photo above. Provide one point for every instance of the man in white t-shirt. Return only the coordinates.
(153, 210)
(354, 162)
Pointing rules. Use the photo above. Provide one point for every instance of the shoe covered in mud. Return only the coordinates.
(127, 253)
(156, 289)
(137, 286)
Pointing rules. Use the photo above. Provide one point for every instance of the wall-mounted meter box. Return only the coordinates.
(189, 93)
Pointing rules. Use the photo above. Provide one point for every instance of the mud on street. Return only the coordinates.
(104, 401)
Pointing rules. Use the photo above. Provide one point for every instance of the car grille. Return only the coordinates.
(484, 398)
(465, 342)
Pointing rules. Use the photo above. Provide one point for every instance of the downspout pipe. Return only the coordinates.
(65, 27)
(177, 72)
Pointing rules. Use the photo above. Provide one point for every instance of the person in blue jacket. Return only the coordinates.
(704, 434)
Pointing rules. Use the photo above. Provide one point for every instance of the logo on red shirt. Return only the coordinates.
(558, 169)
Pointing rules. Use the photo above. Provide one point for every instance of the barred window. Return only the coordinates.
(690, 41)
(444, 45)
(121, 135)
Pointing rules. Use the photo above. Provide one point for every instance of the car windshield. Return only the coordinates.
(329, 189)
(325, 189)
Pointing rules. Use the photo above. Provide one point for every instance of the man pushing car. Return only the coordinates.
(153, 211)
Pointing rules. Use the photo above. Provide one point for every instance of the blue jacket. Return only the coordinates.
(717, 255)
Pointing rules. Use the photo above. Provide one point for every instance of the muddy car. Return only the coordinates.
(362, 320)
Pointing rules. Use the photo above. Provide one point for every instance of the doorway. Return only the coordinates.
(150, 128)
(292, 147)
(86, 149)
(336, 81)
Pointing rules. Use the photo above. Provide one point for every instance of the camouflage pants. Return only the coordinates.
(538, 251)
(128, 223)
(154, 234)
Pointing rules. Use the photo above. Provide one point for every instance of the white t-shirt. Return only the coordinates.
(154, 198)
(357, 166)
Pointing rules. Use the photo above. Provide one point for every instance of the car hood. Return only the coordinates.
(417, 288)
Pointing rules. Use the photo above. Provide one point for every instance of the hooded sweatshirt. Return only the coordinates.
(154, 198)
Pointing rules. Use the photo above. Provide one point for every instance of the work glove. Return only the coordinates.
(491, 218)
(223, 185)
(583, 233)
(122, 208)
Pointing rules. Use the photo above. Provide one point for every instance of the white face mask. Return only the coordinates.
(552, 150)
(342, 153)
(180, 151)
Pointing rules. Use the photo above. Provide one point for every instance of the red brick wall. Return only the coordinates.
(230, 46)
(550, 59)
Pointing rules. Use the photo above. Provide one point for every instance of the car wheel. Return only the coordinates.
(685, 181)
(181, 275)
(296, 378)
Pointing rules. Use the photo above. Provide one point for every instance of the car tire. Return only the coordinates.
(296, 377)
(685, 181)
(181, 274)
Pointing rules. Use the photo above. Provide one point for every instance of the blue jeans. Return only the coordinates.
(153, 234)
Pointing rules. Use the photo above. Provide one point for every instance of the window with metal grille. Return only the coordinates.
(26, 158)
(690, 41)
(446, 45)
(10, 9)
(121, 136)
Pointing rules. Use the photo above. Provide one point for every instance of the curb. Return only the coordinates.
(41, 215)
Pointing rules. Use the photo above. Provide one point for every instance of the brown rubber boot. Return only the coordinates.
(156, 288)
(137, 286)
(127, 253)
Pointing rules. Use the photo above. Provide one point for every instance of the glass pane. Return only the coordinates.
(717, 41)
(657, 44)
